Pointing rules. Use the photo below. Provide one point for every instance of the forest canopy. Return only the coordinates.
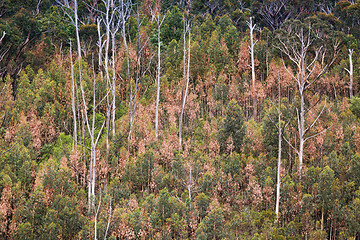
(162, 119)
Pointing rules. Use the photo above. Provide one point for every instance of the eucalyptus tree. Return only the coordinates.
(351, 73)
(275, 12)
(186, 74)
(141, 68)
(70, 8)
(122, 15)
(159, 21)
(252, 27)
(113, 18)
(304, 46)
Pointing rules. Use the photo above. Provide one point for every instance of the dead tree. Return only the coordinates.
(70, 8)
(113, 18)
(278, 178)
(73, 106)
(122, 14)
(351, 73)
(159, 21)
(297, 41)
(275, 13)
(252, 26)
(94, 138)
(140, 70)
(186, 77)
(187, 174)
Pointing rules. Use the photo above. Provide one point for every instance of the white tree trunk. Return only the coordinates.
(351, 73)
(158, 83)
(296, 47)
(113, 108)
(252, 26)
(187, 78)
(106, 66)
(73, 107)
(279, 159)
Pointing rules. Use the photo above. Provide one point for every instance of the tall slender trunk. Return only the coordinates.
(158, 84)
(186, 88)
(134, 93)
(351, 73)
(190, 185)
(123, 33)
(301, 117)
(253, 87)
(113, 86)
(107, 74)
(301, 132)
(73, 107)
(77, 37)
(279, 158)
(93, 146)
(322, 216)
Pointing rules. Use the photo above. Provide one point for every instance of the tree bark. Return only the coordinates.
(187, 82)
(351, 73)
(279, 157)
(296, 47)
(73, 107)
(252, 26)
(158, 82)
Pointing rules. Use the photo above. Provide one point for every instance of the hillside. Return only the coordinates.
(193, 119)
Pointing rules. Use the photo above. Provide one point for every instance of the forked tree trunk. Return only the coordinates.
(252, 26)
(351, 73)
(296, 47)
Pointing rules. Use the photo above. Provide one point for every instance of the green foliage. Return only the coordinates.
(221, 185)
(140, 173)
(173, 26)
(163, 209)
(211, 227)
(355, 106)
(202, 202)
(233, 164)
(232, 127)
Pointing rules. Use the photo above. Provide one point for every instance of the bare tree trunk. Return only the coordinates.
(279, 157)
(73, 107)
(158, 83)
(106, 66)
(252, 26)
(183, 87)
(158, 76)
(71, 11)
(190, 185)
(123, 33)
(296, 47)
(301, 130)
(77, 36)
(113, 108)
(187, 84)
(301, 115)
(134, 93)
(351, 73)
(100, 46)
(93, 138)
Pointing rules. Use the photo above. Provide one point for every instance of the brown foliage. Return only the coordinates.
(276, 73)
(5, 209)
(243, 62)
